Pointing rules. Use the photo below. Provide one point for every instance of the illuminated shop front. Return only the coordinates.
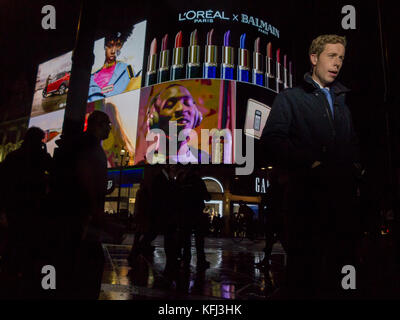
(227, 190)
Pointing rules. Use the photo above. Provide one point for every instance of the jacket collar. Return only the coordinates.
(336, 86)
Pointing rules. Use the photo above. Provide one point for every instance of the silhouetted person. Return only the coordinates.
(165, 205)
(24, 188)
(80, 186)
(310, 133)
(145, 224)
(194, 193)
(274, 208)
(247, 214)
(217, 224)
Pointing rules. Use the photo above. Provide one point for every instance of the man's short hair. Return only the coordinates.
(318, 44)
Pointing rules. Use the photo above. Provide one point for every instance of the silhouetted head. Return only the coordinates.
(33, 137)
(99, 124)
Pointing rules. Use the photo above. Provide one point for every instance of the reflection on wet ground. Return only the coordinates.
(232, 273)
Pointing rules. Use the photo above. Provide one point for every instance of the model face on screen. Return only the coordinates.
(328, 64)
(111, 49)
(177, 104)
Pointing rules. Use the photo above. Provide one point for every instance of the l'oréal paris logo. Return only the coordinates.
(202, 16)
(209, 16)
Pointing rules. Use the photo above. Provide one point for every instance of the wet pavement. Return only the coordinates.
(232, 273)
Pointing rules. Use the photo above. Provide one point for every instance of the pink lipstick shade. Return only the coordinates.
(209, 37)
(164, 43)
(153, 47)
(257, 45)
(163, 70)
(151, 75)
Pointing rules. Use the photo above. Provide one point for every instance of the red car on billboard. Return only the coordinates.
(58, 84)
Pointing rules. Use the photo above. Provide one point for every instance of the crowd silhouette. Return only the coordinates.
(52, 213)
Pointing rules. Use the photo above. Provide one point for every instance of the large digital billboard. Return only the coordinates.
(177, 86)
(179, 121)
(52, 84)
(118, 63)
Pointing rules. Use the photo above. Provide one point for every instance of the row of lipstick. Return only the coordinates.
(275, 76)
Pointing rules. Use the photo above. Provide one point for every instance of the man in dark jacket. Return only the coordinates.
(79, 189)
(194, 193)
(310, 133)
(24, 174)
(165, 210)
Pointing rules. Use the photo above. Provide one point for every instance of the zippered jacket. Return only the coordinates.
(301, 128)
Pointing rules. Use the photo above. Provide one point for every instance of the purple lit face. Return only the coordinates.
(177, 104)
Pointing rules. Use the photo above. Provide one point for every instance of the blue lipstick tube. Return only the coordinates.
(243, 72)
(210, 62)
(227, 66)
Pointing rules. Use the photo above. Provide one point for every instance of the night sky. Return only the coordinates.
(26, 44)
